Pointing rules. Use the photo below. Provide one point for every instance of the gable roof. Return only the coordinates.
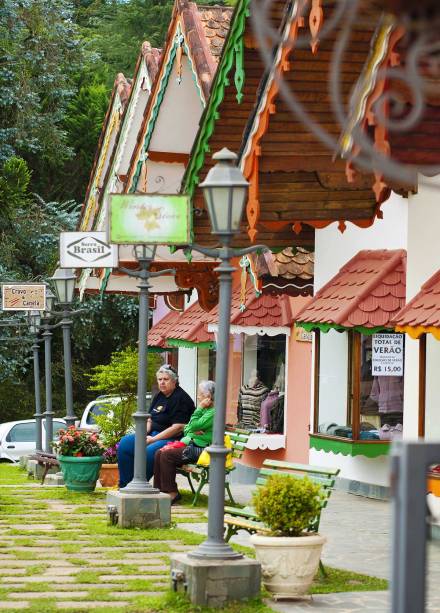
(422, 314)
(366, 294)
(259, 311)
(202, 31)
(190, 329)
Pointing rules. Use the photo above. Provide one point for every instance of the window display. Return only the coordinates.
(360, 385)
(261, 398)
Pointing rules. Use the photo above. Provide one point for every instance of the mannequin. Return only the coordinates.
(388, 393)
(271, 401)
(249, 401)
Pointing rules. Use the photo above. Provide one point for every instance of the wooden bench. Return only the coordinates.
(198, 476)
(247, 519)
(47, 460)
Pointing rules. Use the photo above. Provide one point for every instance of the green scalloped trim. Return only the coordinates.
(325, 327)
(178, 342)
(154, 349)
(210, 116)
(368, 449)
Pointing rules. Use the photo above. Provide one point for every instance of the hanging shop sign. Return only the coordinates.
(149, 219)
(87, 250)
(23, 297)
(302, 336)
(387, 358)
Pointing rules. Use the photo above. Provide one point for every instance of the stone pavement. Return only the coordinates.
(358, 530)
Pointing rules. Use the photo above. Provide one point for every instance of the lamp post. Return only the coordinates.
(145, 255)
(34, 326)
(225, 190)
(63, 282)
(47, 336)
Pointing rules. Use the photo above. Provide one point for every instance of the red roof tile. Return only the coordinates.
(191, 325)
(424, 309)
(368, 291)
(265, 310)
(158, 334)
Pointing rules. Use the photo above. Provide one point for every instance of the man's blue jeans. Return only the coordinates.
(126, 457)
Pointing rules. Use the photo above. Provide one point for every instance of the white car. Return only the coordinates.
(17, 438)
(95, 407)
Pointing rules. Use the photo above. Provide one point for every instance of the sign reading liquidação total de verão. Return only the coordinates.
(160, 219)
(387, 355)
(23, 297)
(87, 250)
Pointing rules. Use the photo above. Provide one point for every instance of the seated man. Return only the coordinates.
(170, 410)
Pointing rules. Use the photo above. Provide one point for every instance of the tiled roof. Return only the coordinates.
(422, 312)
(205, 29)
(288, 263)
(152, 58)
(215, 21)
(368, 291)
(265, 310)
(191, 326)
(158, 334)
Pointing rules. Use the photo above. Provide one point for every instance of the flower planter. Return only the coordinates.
(80, 474)
(288, 563)
(109, 475)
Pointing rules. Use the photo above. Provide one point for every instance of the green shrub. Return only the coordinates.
(288, 504)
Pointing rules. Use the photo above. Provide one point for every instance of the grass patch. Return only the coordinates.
(139, 585)
(25, 542)
(11, 474)
(74, 498)
(87, 576)
(101, 593)
(178, 603)
(70, 547)
(187, 498)
(26, 555)
(128, 569)
(43, 605)
(338, 580)
(37, 587)
(37, 569)
(79, 561)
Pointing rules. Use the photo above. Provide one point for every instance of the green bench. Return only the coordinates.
(198, 476)
(247, 519)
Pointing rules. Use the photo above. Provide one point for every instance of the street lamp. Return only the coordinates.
(34, 318)
(225, 191)
(63, 282)
(47, 336)
(145, 255)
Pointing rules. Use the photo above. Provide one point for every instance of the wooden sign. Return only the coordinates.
(302, 335)
(23, 297)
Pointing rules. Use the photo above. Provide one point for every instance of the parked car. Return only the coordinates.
(17, 438)
(96, 407)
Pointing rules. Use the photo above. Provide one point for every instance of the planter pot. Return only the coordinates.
(80, 474)
(109, 475)
(288, 563)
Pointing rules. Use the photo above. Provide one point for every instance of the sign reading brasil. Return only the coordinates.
(23, 297)
(149, 218)
(87, 250)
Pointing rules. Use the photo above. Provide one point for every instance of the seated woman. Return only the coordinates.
(170, 410)
(198, 432)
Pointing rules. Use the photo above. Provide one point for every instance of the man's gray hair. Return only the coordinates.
(168, 370)
(208, 387)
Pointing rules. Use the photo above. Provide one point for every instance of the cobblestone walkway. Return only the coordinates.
(56, 554)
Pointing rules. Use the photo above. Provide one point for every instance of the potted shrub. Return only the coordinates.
(80, 455)
(289, 555)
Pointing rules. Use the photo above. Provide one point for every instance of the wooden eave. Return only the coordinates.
(295, 182)
(224, 121)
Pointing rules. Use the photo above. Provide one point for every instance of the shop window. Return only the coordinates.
(359, 385)
(262, 393)
(205, 364)
(431, 429)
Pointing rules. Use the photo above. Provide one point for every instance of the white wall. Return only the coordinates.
(188, 370)
(367, 470)
(423, 261)
(179, 114)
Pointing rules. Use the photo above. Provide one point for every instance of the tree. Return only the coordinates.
(39, 54)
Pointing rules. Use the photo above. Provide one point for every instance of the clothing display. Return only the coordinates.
(249, 404)
(267, 406)
(388, 393)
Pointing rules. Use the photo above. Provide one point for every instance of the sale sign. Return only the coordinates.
(387, 358)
